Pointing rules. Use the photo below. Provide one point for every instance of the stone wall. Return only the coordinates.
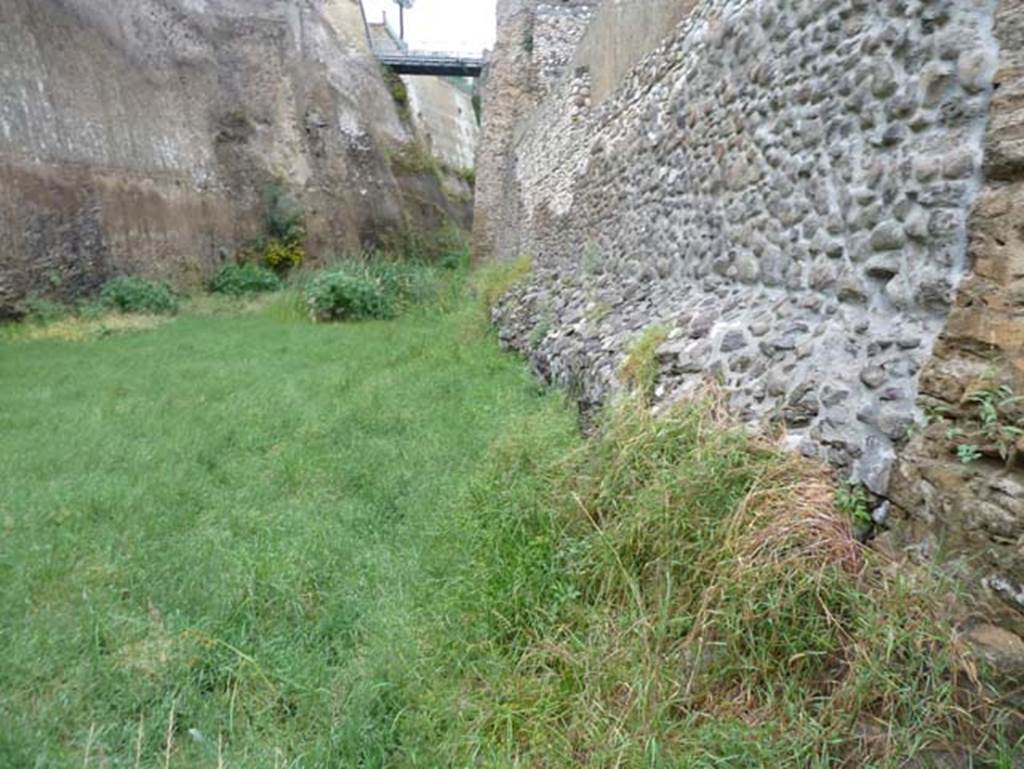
(139, 137)
(535, 43)
(621, 33)
(785, 187)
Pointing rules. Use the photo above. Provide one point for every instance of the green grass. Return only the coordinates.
(674, 593)
(235, 538)
(224, 519)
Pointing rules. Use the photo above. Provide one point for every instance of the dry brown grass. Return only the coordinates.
(75, 329)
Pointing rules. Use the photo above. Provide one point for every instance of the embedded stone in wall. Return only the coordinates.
(802, 169)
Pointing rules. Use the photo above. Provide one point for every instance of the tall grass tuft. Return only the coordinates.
(493, 281)
(675, 592)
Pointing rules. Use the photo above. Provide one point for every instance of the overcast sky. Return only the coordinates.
(441, 25)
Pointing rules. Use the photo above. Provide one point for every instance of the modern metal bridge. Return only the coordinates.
(431, 63)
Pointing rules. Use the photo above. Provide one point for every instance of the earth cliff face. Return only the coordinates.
(140, 137)
(817, 201)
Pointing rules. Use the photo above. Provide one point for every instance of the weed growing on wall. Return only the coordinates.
(639, 370)
(399, 93)
(447, 246)
(539, 332)
(988, 422)
(413, 158)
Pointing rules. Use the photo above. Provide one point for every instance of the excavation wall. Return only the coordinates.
(786, 187)
(140, 137)
(445, 120)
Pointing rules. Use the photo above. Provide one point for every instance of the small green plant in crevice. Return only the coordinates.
(593, 260)
(468, 175)
(493, 281)
(137, 295)
(528, 41)
(539, 332)
(399, 93)
(413, 158)
(597, 310)
(990, 423)
(1001, 419)
(853, 500)
(639, 369)
(243, 279)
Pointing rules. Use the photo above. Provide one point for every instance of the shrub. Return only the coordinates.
(447, 245)
(39, 310)
(372, 286)
(283, 248)
(413, 158)
(138, 295)
(396, 86)
(285, 217)
(283, 255)
(242, 279)
(347, 295)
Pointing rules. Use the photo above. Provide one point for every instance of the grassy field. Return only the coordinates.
(237, 539)
(214, 529)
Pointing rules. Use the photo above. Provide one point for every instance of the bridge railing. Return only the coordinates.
(430, 56)
(431, 62)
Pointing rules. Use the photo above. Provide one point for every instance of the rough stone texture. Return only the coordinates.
(786, 166)
(816, 201)
(139, 137)
(622, 32)
(535, 42)
(972, 516)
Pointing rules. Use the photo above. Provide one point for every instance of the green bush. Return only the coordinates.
(447, 246)
(242, 279)
(283, 247)
(344, 294)
(39, 310)
(285, 217)
(374, 286)
(283, 255)
(138, 295)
